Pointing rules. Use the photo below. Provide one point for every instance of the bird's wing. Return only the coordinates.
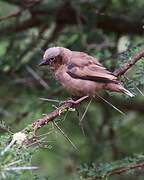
(81, 59)
(87, 68)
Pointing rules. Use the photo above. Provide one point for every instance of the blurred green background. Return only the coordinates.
(110, 30)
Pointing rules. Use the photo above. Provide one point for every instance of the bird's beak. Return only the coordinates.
(43, 63)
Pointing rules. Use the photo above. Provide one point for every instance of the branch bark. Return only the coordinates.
(51, 116)
(120, 71)
(139, 165)
(11, 15)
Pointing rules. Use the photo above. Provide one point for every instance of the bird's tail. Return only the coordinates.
(119, 88)
(125, 91)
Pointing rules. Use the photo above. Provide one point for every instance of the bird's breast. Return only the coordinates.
(77, 87)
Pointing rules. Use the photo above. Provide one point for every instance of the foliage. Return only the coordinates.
(103, 171)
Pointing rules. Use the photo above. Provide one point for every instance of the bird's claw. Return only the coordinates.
(70, 101)
(74, 102)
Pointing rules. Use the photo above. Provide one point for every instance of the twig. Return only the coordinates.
(120, 170)
(139, 166)
(37, 77)
(11, 15)
(134, 85)
(64, 134)
(126, 66)
(57, 112)
(51, 100)
(110, 104)
(19, 168)
(81, 120)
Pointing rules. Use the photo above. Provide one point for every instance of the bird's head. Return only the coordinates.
(53, 57)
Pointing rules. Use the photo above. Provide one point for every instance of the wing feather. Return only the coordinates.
(86, 67)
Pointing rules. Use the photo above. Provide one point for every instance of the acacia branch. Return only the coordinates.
(139, 165)
(57, 112)
(11, 15)
(126, 66)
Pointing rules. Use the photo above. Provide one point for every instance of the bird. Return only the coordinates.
(79, 73)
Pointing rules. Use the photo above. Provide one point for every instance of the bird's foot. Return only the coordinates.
(74, 102)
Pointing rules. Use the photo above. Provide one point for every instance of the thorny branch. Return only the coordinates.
(11, 15)
(57, 112)
(120, 71)
(139, 166)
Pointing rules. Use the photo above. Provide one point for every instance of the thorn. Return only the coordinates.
(50, 100)
(110, 104)
(80, 121)
(63, 133)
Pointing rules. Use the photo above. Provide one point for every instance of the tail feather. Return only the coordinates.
(127, 92)
(118, 88)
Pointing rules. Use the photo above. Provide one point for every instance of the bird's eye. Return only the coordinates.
(52, 59)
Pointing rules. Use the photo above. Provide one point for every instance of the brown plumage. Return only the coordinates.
(80, 73)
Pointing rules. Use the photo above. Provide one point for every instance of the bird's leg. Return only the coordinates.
(77, 101)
